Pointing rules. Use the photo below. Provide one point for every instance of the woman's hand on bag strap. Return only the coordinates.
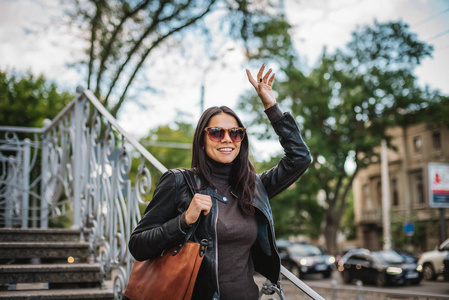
(200, 203)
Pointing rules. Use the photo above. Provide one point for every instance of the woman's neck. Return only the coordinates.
(219, 172)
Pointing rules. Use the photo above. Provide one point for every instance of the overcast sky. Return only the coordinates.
(29, 40)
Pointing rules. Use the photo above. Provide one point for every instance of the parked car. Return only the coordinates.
(432, 261)
(446, 267)
(302, 259)
(408, 256)
(347, 250)
(385, 267)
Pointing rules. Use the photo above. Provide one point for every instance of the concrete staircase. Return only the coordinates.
(48, 264)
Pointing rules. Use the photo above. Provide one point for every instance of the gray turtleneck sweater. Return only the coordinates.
(236, 232)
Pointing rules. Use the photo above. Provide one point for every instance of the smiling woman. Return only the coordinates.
(231, 205)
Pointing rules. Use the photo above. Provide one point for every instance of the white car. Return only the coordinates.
(432, 261)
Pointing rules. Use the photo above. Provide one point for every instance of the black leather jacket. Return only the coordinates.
(159, 228)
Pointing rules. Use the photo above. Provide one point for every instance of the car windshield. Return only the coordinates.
(388, 256)
(304, 250)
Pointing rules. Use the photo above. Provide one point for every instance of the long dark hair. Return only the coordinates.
(243, 176)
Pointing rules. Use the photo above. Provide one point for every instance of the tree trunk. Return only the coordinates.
(330, 233)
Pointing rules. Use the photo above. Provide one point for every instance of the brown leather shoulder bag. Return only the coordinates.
(173, 274)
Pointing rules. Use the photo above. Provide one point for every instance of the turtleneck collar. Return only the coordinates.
(220, 171)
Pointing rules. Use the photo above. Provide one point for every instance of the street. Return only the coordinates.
(425, 288)
(334, 288)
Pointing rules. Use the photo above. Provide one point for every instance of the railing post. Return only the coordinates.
(334, 289)
(77, 162)
(359, 284)
(44, 177)
(9, 207)
(25, 182)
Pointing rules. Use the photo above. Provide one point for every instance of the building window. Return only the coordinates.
(419, 189)
(379, 193)
(436, 139)
(417, 143)
(395, 195)
(367, 196)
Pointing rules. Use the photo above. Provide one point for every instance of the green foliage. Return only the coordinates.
(272, 41)
(345, 104)
(348, 226)
(401, 240)
(295, 211)
(27, 100)
(175, 156)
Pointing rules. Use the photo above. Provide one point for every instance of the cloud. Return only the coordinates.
(33, 39)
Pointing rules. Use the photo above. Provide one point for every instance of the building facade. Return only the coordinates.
(414, 148)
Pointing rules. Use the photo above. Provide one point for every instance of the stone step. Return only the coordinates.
(51, 273)
(85, 294)
(61, 250)
(39, 235)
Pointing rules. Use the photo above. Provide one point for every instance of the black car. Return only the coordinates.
(446, 267)
(302, 259)
(381, 268)
(408, 256)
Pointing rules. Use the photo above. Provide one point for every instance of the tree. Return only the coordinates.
(122, 35)
(27, 100)
(296, 210)
(373, 87)
(171, 144)
(348, 100)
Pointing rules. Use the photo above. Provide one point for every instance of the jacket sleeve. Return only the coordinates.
(296, 157)
(159, 229)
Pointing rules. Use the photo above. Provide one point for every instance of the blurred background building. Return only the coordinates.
(411, 212)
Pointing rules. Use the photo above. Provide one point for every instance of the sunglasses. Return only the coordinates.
(216, 134)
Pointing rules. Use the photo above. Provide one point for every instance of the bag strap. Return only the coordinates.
(188, 177)
(189, 181)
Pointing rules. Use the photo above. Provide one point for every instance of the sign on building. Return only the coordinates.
(438, 184)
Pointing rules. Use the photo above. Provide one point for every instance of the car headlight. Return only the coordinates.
(303, 262)
(331, 260)
(419, 268)
(394, 270)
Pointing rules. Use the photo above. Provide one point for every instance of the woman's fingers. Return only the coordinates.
(259, 75)
(270, 82)
(251, 79)
(200, 203)
(265, 78)
(263, 86)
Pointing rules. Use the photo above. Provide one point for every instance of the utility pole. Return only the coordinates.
(206, 71)
(385, 197)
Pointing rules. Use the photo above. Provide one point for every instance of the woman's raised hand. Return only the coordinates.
(263, 86)
(200, 203)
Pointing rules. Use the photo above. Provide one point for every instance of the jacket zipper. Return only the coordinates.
(216, 248)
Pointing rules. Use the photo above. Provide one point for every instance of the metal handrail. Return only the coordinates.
(21, 129)
(130, 138)
(300, 284)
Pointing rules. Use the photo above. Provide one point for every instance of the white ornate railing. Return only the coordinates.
(79, 165)
(19, 185)
(84, 173)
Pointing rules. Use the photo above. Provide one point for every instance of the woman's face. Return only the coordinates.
(224, 151)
